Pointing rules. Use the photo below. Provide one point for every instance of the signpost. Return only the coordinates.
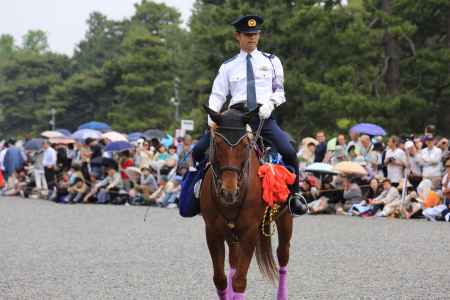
(187, 125)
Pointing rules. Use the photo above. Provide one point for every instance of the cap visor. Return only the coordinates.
(249, 30)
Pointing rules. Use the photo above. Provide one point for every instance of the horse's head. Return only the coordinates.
(230, 152)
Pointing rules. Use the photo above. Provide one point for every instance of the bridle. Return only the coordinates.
(218, 170)
(243, 171)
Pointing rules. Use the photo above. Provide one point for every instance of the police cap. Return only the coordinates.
(249, 23)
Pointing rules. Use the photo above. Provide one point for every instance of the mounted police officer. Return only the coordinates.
(254, 78)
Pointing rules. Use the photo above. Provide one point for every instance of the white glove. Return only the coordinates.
(266, 110)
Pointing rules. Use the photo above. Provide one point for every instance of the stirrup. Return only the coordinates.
(302, 200)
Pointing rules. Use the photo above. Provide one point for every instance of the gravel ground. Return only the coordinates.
(53, 251)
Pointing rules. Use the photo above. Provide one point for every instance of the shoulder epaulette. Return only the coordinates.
(230, 59)
(268, 55)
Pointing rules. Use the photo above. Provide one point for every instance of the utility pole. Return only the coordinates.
(53, 120)
(176, 100)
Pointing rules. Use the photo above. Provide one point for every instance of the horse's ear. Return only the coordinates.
(252, 114)
(215, 116)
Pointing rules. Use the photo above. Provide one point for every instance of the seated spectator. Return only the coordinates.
(423, 199)
(125, 161)
(388, 200)
(92, 191)
(108, 189)
(352, 195)
(77, 191)
(19, 187)
(162, 153)
(171, 193)
(441, 211)
(144, 155)
(157, 196)
(61, 191)
(446, 190)
(326, 195)
(363, 208)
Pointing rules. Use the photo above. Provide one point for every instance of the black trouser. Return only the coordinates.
(50, 177)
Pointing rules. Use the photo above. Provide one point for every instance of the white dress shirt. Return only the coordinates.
(232, 80)
(2, 158)
(50, 157)
(394, 171)
(431, 162)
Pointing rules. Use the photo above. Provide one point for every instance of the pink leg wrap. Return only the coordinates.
(222, 294)
(230, 292)
(282, 286)
(239, 296)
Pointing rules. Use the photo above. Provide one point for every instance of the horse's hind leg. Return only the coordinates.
(233, 258)
(284, 228)
(216, 246)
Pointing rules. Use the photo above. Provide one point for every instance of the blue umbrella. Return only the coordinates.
(134, 136)
(155, 133)
(64, 131)
(367, 128)
(321, 168)
(100, 126)
(118, 146)
(83, 134)
(34, 144)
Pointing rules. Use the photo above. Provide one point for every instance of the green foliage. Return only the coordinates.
(35, 41)
(339, 69)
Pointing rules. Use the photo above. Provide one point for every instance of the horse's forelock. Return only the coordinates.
(232, 127)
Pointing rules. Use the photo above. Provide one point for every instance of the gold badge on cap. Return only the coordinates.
(251, 23)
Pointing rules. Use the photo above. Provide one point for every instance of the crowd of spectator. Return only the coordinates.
(149, 173)
(406, 176)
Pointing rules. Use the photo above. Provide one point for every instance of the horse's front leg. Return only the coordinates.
(284, 228)
(246, 250)
(216, 246)
(233, 258)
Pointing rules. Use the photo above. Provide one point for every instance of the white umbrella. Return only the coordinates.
(52, 134)
(114, 136)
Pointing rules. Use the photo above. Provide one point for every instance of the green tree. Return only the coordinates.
(27, 79)
(35, 41)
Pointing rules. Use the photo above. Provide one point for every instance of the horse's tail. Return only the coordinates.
(264, 256)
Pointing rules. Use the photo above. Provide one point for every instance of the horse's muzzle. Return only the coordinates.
(229, 197)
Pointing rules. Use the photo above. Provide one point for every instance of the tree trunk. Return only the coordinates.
(391, 50)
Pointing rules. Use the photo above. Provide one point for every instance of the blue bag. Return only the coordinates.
(189, 206)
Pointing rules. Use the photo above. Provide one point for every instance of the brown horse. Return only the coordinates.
(233, 210)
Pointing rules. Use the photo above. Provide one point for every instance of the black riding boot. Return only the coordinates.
(297, 203)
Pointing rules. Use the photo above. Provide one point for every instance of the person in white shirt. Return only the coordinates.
(413, 168)
(395, 160)
(2, 156)
(430, 159)
(254, 78)
(49, 162)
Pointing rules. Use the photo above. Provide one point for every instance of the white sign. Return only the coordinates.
(187, 125)
(179, 133)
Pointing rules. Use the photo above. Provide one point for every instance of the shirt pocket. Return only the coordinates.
(237, 77)
(263, 75)
(237, 82)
